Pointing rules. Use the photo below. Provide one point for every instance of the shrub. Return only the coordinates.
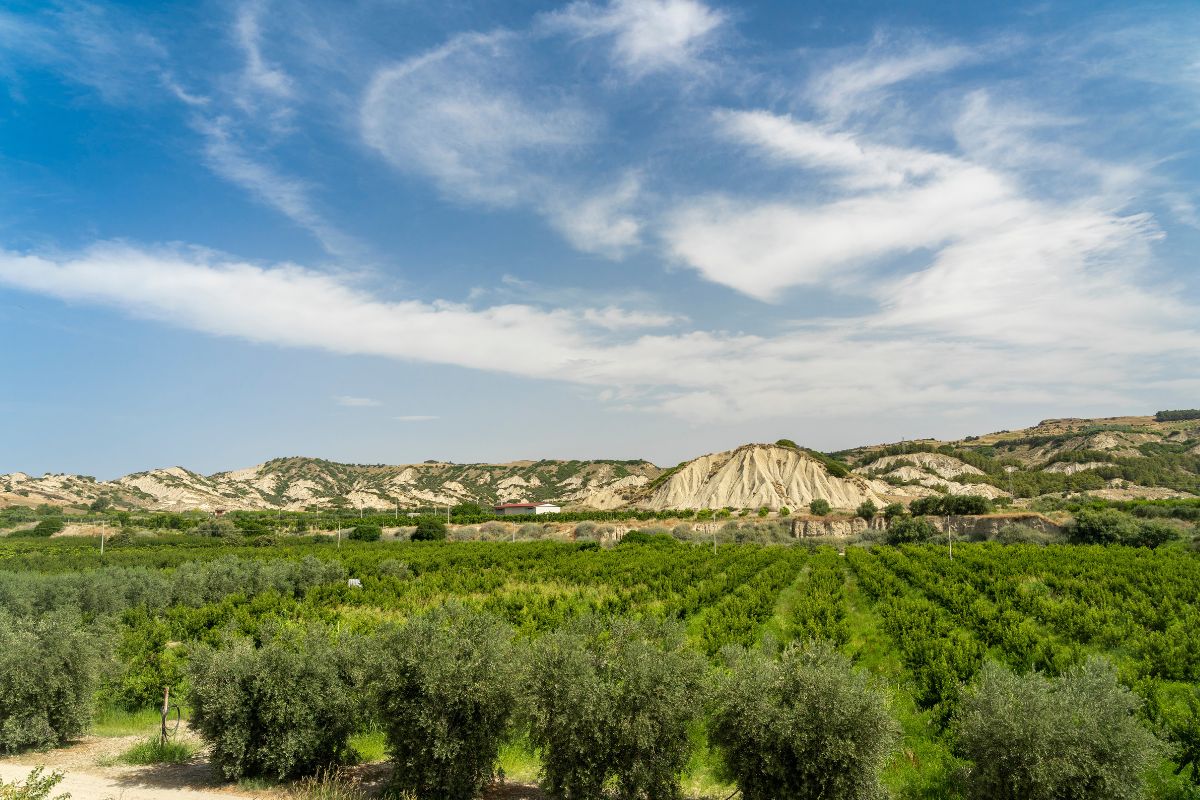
(614, 703)
(366, 532)
(48, 675)
(216, 527)
(952, 505)
(36, 786)
(1037, 738)
(762, 512)
(819, 507)
(1152, 533)
(784, 511)
(807, 725)
(787, 443)
(48, 526)
(894, 511)
(391, 568)
(1022, 534)
(445, 690)
(281, 710)
(910, 529)
(866, 510)
(429, 530)
(1109, 526)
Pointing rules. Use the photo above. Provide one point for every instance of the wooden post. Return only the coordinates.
(166, 709)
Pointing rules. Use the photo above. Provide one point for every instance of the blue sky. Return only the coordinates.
(388, 230)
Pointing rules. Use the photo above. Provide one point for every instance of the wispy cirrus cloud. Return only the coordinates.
(647, 35)
(458, 116)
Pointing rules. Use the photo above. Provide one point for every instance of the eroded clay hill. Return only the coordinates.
(757, 476)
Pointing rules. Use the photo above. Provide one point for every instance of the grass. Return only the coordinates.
(119, 722)
(151, 751)
(518, 761)
(370, 746)
(326, 786)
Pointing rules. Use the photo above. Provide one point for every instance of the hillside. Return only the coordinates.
(1114, 458)
(757, 476)
(300, 483)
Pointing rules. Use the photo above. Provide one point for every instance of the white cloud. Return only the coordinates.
(259, 77)
(356, 402)
(859, 84)
(455, 116)
(289, 196)
(619, 319)
(648, 35)
(416, 418)
(1001, 348)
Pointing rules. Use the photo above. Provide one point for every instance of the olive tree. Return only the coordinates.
(611, 705)
(1037, 738)
(49, 669)
(819, 507)
(445, 689)
(281, 710)
(804, 725)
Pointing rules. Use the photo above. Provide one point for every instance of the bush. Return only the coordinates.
(1022, 534)
(787, 443)
(950, 505)
(910, 529)
(866, 510)
(281, 710)
(36, 786)
(391, 568)
(762, 512)
(614, 703)
(894, 511)
(819, 507)
(784, 511)
(445, 690)
(1109, 526)
(429, 530)
(48, 526)
(216, 527)
(48, 675)
(1036, 738)
(366, 532)
(807, 725)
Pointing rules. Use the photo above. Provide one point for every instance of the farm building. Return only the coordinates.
(509, 509)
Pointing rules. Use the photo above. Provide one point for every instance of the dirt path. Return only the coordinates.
(134, 783)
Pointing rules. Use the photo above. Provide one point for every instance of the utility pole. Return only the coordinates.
(949, 537)
(447, 513)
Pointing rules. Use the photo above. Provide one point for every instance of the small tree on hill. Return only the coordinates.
(429, 530)
(366, 532)
(807, 725)
(1037, 738)
(894, 511)
(867, 510)
(910, 529)
(819, 507)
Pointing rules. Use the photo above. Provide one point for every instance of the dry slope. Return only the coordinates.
(757, 476)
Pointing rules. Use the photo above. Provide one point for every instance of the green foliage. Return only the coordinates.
(281, 710)
(154, 751)
(445, 689)
(894, 511)
(366, 532)
(950, 505)
(910, 529)
(647, 538)
(807, 726)
(48, 675)
(613, 703)
(1037, 738)
(1185, 413)
(819, 507)
(36, 786)
(216, 526)
(866, 510)
(1109, 526)
(787, 443)
(46, 527)
(429, 530)
(784, 511)
(762, 512)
